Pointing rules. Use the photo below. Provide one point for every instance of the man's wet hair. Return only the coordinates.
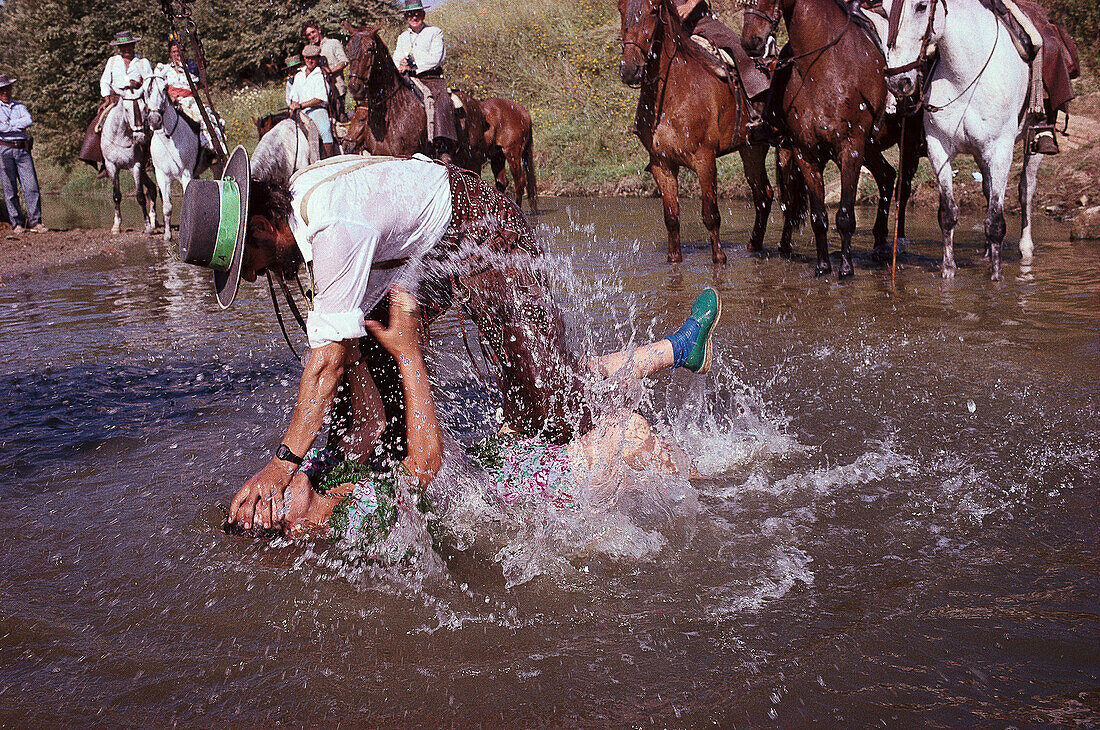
(270, 199)
(311, 23)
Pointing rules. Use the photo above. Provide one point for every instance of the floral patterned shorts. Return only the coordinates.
(523, 466)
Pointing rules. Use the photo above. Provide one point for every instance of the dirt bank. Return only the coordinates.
(31, 253)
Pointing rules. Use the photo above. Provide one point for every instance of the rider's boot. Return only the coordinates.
(328, 149)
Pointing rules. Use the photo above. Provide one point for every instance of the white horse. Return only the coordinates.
(174, 148)
(285, 149)
(125, 149)
(975, 104)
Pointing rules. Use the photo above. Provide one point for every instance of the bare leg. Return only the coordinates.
(643, 361)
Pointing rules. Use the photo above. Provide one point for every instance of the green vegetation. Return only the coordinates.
(559, 58)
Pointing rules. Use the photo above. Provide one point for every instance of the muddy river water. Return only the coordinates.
(895, 524)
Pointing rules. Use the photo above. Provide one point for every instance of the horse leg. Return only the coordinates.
(819, 217)
(496, 163)
(707, 170)
(885, 177)
(165, 184)
(754, 160)
(515, 163)
(116, 195)
(1027, 193)
(529, 173)
(792, 191)
(908, 160)
(996, 167)
(940, 157)
(148, 212)
(851, 162)
(668, 185)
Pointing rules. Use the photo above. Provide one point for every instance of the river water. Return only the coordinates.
(895, 524)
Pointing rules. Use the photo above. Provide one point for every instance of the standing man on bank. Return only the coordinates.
(16, 162)
(333, 62)
(419, 53)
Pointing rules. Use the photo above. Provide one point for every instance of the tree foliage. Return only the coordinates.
(57, 48)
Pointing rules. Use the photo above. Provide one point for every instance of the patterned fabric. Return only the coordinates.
(317, 462)
(484, 224)
(523, 467)
(364, 519)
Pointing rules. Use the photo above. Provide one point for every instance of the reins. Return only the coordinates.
(773, 23)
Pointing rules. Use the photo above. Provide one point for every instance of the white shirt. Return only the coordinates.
(308, 86)
(364, 210)
(426, 48)
(117, 76)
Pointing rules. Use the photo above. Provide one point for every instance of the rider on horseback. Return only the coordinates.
(309, 92)
(126, 76)
(179, 91)
(699, 19)
(419, 54)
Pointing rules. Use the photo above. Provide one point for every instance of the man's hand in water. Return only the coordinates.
(262, 495)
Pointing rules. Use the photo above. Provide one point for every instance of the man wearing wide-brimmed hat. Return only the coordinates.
(16, 164)
(125, 76)
(419, 54)
(309, 93)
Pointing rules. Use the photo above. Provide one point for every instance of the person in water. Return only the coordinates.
(333, 495)
(360, 225)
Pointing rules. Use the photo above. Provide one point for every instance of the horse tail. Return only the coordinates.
(792, 187)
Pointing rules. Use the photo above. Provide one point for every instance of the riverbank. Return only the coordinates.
(28, 254)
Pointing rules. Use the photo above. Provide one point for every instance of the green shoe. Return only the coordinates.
(707, 310)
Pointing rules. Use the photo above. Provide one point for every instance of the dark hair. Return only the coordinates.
(270, 199)
(312, 24)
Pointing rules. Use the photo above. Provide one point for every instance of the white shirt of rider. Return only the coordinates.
(307, 85)
(117, 76)
(426, 48)
(361, 211)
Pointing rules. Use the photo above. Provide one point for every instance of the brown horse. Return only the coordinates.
(829, 101)
(389, 118)
(508, 139)
(687, 116)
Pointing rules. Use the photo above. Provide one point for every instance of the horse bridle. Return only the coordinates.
(773, 28)
(660, 8)
(926, 39)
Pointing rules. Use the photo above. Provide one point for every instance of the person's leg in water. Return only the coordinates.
(689, 347)
(626, 438)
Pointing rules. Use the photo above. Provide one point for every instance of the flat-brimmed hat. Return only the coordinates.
(6, 81)
(409, 6)
(124, 38)
(293, 60)
(311, 51)
(214, 222)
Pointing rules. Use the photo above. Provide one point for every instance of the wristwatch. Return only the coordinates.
(284, 453)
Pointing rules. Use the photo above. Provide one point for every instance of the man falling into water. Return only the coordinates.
(361, 225)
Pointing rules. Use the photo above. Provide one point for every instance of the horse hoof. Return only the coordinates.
(881, 254)
(115, 231)
(720, 259)
(996, 276)
(675, 258)
(823, 270)
(786, 252)
(846, 270)
(949, 273)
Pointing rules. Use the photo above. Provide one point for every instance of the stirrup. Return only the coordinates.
(1041, 139)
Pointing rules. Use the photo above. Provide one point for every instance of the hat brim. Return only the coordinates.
(124, 43)
(227, 282)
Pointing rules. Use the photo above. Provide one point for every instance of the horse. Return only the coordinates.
(829, 100)
(124, 149)
(173, 149)
(285, 147)
(508, 139)
(974, 101)
(687, 116)
(389, 118)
